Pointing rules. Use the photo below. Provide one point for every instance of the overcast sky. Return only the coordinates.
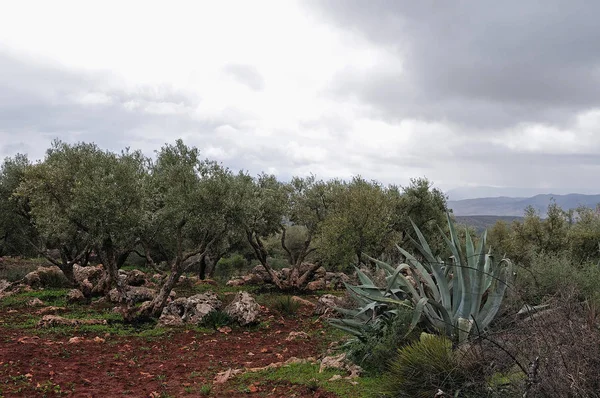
(468, 94)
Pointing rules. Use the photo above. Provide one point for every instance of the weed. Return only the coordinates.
(287, 305)
(205, 389)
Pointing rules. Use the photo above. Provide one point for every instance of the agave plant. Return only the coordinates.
(376, 307)
(456, 298)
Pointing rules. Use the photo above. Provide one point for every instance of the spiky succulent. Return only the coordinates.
(456, 298)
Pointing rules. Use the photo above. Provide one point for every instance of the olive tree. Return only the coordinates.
(360, 220)
(16, 230)
(82, 199)
(191, 209)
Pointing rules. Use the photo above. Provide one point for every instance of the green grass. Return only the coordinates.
(308, 375)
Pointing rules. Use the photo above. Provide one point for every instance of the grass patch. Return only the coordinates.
(54, 297)
(308, 375)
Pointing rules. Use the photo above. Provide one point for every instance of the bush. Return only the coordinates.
(286, 305)
(228, 267)
(216, 319)
(425, 367)
(551, 274)
(377, 347)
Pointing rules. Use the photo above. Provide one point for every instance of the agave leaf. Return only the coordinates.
(364, 279)
(477, 283)
(388, 268)
(422, 273)
(495, 295)
(345, 328)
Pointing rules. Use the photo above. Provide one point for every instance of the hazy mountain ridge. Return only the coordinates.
(508, 206)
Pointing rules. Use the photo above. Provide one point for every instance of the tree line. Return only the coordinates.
(82, 202)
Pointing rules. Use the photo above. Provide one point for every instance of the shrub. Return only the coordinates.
(424, 367)
(227, 267)
(216, 319)
(286, 305)
(375, 349)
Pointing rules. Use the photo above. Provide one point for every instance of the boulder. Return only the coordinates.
(336, 280)
(169, 320)
(75, 296)
(4, 284)
(135, 294)
(191, 309)
(235, 282)
(318, 284)
(262, 273)
(244, 309)
(46, 277)
(91, 273)
(135, 278)
(340, 362)
(253, 279)
(327, 303)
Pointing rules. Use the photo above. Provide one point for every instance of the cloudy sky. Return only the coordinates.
(468, 94)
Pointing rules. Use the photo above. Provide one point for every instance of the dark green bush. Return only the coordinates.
(286, 305)
(375, 349)
(217, 319)
(424, 367)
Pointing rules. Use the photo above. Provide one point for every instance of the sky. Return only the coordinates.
(482, 96)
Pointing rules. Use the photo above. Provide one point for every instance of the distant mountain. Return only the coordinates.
(461, 193)
(507, 206)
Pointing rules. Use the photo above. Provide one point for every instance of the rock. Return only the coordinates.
(92, 273)
(35, 302)
(235, 282)
(253, 279)
(333, 362)
(135, 278)
(135, 294)
(285, 273)
(4, 284)
(46, 277)
(327, 303)
(192, 309)
(340, 362)
(297, 335)
(244, 309)
(335, 377)
(48, 321)
(303, 302)
(318, 284)
(169, 320)
(75, 296)
(50, 310)
(336, 280)
(75, 340)
(262, 273)
(320, 273)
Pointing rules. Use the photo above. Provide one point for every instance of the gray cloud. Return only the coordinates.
(247, 75)
(481, 64)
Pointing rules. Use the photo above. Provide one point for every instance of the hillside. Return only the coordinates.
(480, 223)
(515, 207)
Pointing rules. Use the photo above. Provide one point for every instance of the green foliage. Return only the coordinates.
(424, 367)
(360, 221)
(456, 298)
(230, 266)
(376, 346)
(216, 319)
(286, 305)
(16, 231)
(307, 374)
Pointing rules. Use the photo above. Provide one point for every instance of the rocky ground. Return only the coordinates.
(54, 343)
